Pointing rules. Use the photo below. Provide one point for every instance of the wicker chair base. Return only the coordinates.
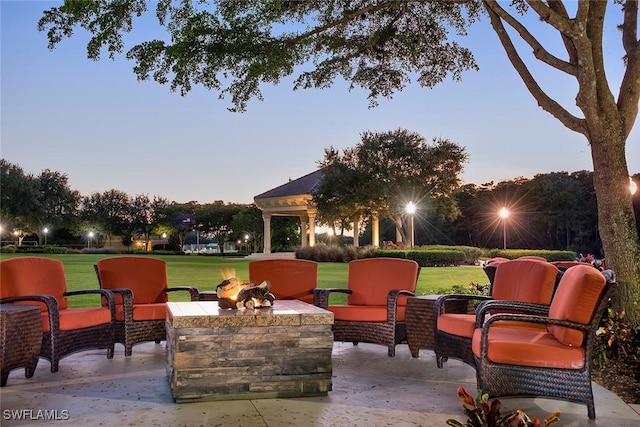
(371, 332)
(572, 385)
(453, 346)
(69, 342)
(139, 331)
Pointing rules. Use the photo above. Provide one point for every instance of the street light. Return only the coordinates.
(504, 214)
(90, 235)
(46, 230)
(164, 238)
(411, 210)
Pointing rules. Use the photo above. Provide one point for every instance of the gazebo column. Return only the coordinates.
(375, 231)
(398, 231)
(312, 228)
(266, 218)
(356, 233)
(303, 231)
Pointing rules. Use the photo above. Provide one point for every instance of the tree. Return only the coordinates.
(58, 202)
(214, 220)
(384, 172)
(234, 46)
(109, 212)
(248, 222)
(18, 199)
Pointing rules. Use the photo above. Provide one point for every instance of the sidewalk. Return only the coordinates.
(370, 389)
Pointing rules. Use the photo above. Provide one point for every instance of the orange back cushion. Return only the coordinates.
(525, 280)
(371, 279)
(33, 276)
(576, 299)
(146, 277)
(289, 278)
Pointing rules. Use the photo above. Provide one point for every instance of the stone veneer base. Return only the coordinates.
(217, 354)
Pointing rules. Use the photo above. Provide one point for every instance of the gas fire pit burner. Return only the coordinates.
(232, 294)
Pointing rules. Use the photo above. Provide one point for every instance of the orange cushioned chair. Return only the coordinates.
(524, 280)
(140, 286)
(41, 281)
(377, 291)
(551, 362)
(289, 278)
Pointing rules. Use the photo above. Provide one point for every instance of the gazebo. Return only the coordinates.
(295, 198)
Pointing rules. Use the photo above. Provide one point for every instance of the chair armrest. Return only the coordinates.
(127, 301)
(48, 300)
(107, 294)
(392, 302)
(441, 302)
(522, 307)
(195, 294)
(321, 295)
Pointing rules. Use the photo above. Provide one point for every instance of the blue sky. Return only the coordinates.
(93, 121)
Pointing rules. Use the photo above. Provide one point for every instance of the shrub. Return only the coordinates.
(9, 249)
(546, 254)
(99, 251)
(51, 249)
(471, 253)
(470, 289)
(616, 340)
(437, 258)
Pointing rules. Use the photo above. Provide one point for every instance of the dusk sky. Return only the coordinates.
(94, 122)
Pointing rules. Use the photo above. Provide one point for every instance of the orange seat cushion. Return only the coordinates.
(462, 325)
(78, 318)
(528, 348)
(149, 311)
(525, 280)
(371, 279)
(364, 313)
(577, 298)
(289, 278)
(146, 277)
(25, 276)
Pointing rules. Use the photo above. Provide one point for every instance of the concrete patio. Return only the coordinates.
(369, 389)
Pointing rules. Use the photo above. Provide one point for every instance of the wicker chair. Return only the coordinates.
(555, 362)
(41, 281)
(523, 280)
(140, 288)
(289, 278)
(377, 291)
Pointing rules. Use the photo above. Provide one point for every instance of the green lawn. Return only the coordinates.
(205, 273)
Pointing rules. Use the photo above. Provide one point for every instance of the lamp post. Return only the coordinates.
(504, 214)
(164, 238)
(45, 231)
(411, 210)
(90, 236)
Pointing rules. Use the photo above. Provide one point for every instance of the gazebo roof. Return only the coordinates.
(293, 198)
(307, 184)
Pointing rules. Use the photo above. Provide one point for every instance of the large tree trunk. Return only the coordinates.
(616, 216)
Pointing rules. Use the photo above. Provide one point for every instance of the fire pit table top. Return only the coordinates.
(207, 314)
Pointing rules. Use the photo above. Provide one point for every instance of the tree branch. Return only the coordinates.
(547, 103)
(629, 94)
